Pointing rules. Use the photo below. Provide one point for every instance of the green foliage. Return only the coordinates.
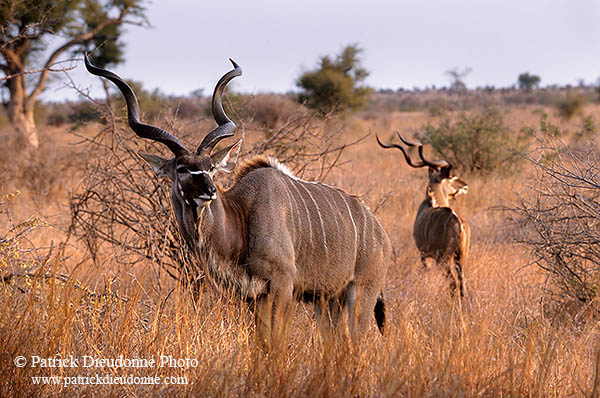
(477, 141)
(571, 105)
(587, 129)
(152, 103)
(106, 46)
(36, 16)
(334, 86)
(528, 81)
(547, 128)
(83, 112)
(26, 24)
(57, 119)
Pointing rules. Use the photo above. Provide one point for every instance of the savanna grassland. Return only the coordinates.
(509, 337)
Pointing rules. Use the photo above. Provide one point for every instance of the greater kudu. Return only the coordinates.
(438, 231)
(271, 237)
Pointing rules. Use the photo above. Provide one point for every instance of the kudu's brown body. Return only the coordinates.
(439, 232)
(271, 238)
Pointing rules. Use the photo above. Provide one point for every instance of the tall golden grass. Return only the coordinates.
(500, 341)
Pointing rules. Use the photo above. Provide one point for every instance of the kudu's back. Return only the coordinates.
(439, 233)
(327, 239)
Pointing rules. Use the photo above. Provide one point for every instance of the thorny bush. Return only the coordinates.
(559, 219)
(478, 141)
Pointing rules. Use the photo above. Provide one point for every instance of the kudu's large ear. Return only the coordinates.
(459, 187)
(226, 158)
(445, 171)
(160, 165)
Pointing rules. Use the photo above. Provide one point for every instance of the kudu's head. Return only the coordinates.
(191, 172)
(442, 186)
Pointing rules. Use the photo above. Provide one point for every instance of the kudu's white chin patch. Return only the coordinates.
(204, 200)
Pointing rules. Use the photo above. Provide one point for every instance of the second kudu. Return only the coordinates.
(438, 231)
(271, 238)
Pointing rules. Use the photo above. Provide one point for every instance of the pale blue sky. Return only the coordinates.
(406, 43)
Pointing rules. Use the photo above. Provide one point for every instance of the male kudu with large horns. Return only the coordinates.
(271, 238)
(438, 231)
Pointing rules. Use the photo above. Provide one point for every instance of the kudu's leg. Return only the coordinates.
(263, 308)
(273, 313)
(454, 274)
(328, 312)
(331, 310)
(366, 299)
(282, 311)
(424, 261)
(322, 314)
(350, 304)
(458, 267)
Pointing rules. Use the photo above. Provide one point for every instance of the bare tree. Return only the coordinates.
(457, 78)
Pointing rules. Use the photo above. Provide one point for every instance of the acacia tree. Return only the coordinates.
(26, 28)
(335, 84)
(528, 81)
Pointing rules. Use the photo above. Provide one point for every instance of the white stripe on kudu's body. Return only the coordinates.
(306, 214)
(439, 232)
(266, 239)
(318, 211)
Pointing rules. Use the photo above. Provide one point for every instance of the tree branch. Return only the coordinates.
(41, 84)
(12, 57)
(5, 40)
(30, 72)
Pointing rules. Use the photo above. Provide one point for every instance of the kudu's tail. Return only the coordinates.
(380, 312)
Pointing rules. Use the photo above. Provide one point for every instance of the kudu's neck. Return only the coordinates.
(221, 246)
(221, 226)
(434, 198)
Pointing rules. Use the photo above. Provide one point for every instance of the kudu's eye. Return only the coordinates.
(182, 170)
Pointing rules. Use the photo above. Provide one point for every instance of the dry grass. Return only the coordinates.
(497, 343)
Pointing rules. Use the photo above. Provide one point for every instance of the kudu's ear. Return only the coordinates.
(445, 171)
(160, 165)
(458, 186)
(226, 158)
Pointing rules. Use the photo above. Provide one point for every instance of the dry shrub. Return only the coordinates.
(571, 105)
(193, 107)
(270, 111)
(124, 208)
(15, 253)
(38, 173)
(559, 220)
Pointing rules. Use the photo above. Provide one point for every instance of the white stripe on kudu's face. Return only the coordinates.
(202, 172)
